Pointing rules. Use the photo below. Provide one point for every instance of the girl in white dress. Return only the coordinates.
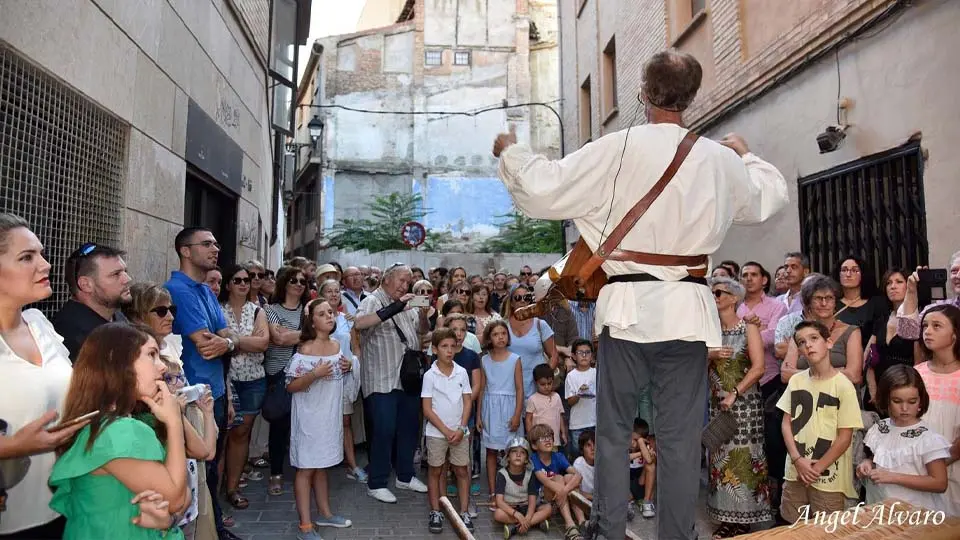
(315, 378)
(909, 459)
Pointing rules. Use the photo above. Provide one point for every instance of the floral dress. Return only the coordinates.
(738, 491)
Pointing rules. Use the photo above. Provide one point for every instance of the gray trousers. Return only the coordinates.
(677, 372)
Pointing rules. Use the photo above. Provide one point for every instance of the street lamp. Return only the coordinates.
(316, 128)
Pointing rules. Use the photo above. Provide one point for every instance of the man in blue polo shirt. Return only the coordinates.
(206, 337)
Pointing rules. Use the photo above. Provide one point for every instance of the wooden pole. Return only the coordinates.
(454, 518)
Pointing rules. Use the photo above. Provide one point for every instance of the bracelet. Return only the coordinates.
(795, 460)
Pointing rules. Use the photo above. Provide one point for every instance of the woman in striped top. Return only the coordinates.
(285, 318)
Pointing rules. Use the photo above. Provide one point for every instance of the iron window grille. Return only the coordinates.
(433, 58)
(872, 207)
(461, 58)
(62, 165)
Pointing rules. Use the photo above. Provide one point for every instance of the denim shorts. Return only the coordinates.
(249, 396)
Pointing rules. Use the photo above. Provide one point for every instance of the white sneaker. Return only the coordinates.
(413, 485)
(382, 494)
(647, 509)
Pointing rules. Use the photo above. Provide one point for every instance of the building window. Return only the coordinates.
(586, 114)
(461, 58)
(872, 207)
(609, 79)
(62, 165)
(433, 58)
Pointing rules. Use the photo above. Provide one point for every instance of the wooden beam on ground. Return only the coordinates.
(454, 518)
(585, 505)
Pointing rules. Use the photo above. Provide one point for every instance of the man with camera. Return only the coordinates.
(655, 316)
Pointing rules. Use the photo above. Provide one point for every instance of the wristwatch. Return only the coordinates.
(231, 344)
(465, 430)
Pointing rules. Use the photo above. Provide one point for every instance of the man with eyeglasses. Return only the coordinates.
(206, 338)
(99, 286)
(382, 318)
(656, 317)
(352, 289)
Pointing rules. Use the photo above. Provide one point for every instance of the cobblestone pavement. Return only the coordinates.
(275, 518)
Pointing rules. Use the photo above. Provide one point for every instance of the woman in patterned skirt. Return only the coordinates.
(738, 493)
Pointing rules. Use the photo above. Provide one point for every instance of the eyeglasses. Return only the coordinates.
(523, 298)
(258, 275)
(162, 311)
(584, 353)
(828, 299)
(720, 292)
(206, 243)
(850, 270)
(526, 273)
(175, 379)
(300, 281)
(548, 439)
(239, 280)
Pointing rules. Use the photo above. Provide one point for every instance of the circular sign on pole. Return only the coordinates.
(413, 234)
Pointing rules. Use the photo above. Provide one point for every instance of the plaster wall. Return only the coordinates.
(896, 90)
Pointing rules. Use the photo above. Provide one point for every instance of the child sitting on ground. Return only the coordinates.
(557, 477)
(643, 471)
(587, 443)
(516, 490)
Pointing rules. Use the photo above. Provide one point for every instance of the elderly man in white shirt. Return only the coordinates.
(653, 327)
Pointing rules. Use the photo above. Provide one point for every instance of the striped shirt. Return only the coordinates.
(277, 357)
(380, 346)
(584, 318)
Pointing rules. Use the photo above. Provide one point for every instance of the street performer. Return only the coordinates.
(655, 317)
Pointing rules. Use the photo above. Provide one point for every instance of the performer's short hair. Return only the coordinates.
(671, 79)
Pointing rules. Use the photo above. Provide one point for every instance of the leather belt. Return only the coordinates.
(639, 278)
(658, 259)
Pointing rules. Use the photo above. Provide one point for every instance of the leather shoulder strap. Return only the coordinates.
(635, 213)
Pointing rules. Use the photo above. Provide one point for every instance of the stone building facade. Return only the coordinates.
(413, 107)
(781, 73)
(122, 122)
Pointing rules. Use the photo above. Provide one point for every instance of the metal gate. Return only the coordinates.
(62, 164)
(872, 207)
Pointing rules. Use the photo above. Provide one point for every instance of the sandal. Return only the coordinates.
(276, 485)
(237, 500)
(260, 462)
(572, 533)
(255, 476)
(228, 522)
(729, 530)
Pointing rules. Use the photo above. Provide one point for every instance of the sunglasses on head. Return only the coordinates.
(161, 311)
(523, 298)
(239, 280)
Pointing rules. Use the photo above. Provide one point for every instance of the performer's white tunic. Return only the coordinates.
(713, 189)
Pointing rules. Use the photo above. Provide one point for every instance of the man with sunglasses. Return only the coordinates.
(206, 338)
(655, 316)
(99, 286)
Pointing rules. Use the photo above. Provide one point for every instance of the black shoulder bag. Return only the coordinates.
(412, 366)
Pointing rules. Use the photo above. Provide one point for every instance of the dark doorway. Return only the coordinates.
(207, 205)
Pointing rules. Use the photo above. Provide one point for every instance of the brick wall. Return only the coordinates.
(641, 30)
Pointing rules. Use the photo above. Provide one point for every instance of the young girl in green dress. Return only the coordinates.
(135, 443)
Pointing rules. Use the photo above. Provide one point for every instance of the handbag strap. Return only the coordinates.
(403, 339)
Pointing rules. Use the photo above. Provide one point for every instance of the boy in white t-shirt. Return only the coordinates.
(581, 393)
(447, 403)
(587, 442)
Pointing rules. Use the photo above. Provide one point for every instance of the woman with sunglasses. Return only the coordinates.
(455, 277)
(285, 318)
(246, 374)
(531, 340)
(258, 274)
(738, 494)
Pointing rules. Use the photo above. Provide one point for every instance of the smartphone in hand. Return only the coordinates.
(419, 301)
(75, 421)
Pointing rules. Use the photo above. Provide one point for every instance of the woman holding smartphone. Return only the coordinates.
(34, 375)
(135, 443)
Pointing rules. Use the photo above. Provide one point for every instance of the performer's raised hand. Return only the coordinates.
(504, 140)
(735, 142)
